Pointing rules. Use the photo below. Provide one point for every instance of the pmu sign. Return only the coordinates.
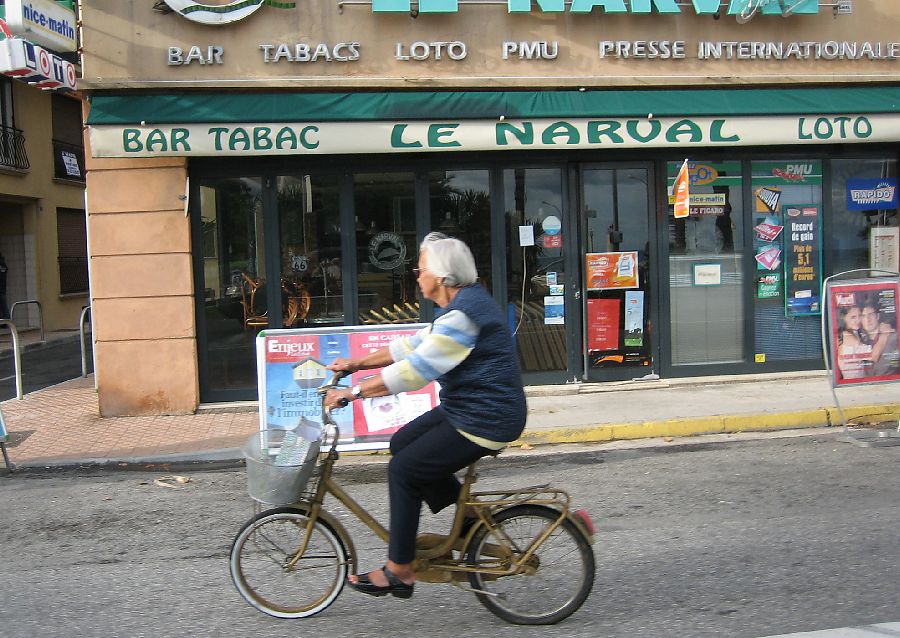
(33, 64)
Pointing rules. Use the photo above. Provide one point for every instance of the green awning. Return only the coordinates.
(265, 107)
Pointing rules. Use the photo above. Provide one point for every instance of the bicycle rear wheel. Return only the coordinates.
(557, 579)
(260, 553)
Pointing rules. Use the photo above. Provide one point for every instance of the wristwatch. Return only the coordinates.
(356, 392)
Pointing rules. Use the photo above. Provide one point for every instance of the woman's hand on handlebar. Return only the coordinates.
(343, 365)
(338, 398)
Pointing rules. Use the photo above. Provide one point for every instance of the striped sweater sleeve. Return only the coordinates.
(430, 353)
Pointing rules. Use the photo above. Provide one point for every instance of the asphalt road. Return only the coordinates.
(743, 540)
(43, 366)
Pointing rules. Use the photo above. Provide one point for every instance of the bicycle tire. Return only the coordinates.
(556, 588)
(266, 542)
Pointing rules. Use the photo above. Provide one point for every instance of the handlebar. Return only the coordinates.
(323, 391)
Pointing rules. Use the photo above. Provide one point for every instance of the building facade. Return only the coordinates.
(262, 164)
(43, 239)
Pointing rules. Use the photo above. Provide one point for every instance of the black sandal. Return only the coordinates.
(395, 586)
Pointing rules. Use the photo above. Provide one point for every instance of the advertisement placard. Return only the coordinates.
(609, 271)
(862, 327)
(291, 366)
(802, 260)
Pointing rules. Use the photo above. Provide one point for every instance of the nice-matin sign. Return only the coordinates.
(333, 138)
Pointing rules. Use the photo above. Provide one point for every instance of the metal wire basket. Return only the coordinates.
(280, 463)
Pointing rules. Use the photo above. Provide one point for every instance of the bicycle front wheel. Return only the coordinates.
(557, 578)
(260, 557)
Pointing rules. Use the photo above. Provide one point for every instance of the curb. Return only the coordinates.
(725, 424)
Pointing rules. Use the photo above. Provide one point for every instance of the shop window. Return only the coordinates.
(12, 139)
(71, 237)
(312, 289)
(68, 145)
(855, 221)
(787, 242)
(706, 267)
(461, 208)
(387, 251)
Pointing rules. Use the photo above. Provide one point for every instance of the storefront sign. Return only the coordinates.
(862, 324)
(218, 14)
(30, 63)
(292, 366)
(707, 274)
(43, 21)
(608, 271)
(327, 138)
(872, 194)
(803, 260)
(738, 8)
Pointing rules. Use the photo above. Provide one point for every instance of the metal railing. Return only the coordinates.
(12, 311)
(12, 148)
(81, 321)
(17, 355)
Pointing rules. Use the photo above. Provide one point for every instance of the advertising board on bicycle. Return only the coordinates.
(291, 365)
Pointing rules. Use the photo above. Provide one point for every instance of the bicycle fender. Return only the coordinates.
(335, 525)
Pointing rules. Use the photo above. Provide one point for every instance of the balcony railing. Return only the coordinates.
(68, 160)
(12, 148)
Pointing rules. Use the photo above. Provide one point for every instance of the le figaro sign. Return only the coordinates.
(231, 11)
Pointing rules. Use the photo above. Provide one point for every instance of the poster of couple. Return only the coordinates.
(863, 324)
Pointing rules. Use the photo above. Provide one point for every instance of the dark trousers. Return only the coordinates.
(426, 453)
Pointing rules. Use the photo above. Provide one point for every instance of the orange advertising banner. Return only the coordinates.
(610, 271)
(683, 192)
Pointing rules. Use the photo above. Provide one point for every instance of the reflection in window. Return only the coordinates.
(309, 222)
(851, 228)
(461, 208)
(385, 207)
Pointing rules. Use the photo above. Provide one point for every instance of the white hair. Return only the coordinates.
(449, 259)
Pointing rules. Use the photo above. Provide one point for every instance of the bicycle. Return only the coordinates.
(293, 561)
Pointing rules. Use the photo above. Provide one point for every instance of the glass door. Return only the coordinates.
(617, 227)
(536, 272)
(706, 270)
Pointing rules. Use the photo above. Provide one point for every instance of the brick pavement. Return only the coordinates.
(63, 422)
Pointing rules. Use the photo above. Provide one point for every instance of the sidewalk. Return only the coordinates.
(60, 426)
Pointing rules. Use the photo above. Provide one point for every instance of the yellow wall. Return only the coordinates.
(142, 287)
(41, 194)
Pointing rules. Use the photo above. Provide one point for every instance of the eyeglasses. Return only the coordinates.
(418, 271)
(870, 314)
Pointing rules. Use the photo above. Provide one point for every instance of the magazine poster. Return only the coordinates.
(863, 330)
(292, 365)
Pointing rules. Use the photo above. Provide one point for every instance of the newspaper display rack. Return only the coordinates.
(859, 341)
